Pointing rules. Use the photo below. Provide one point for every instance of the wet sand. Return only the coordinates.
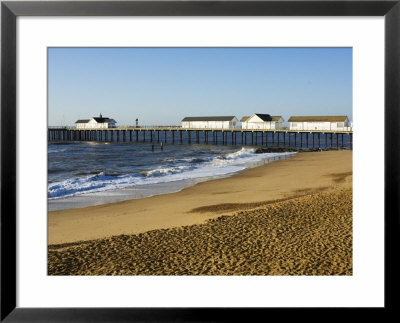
(291, 217)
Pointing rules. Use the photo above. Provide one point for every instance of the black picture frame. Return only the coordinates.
(10, 10)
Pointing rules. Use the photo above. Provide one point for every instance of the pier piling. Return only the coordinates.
(336, 139)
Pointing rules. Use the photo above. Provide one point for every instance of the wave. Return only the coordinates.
(97, 172)
(176, 170)
(56, 150)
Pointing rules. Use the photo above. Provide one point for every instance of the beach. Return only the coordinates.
(289, 217)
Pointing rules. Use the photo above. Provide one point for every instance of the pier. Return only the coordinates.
(299, 139)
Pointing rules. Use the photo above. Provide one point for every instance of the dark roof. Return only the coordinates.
(318, 118)
(273, 118)
(264, 117)
(219, 118)
(98, 120)
(102, 120)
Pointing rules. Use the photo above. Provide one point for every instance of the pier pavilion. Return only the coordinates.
(327, 123)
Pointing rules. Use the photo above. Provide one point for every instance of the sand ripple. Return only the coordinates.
(310, 235)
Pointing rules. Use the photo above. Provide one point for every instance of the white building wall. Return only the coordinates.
(328, 125)
(96, 125)
(341, 125)
(259, 125)
(334, 126)
(265, 125)
(92, 124)
(310, 125)
(210, 124)
(185, 124)
(254, 122)
(296, 125)
(219, 124)
(81, 125)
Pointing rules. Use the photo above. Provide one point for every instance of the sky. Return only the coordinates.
(161, 86)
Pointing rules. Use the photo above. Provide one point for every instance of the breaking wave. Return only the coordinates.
(171, 170)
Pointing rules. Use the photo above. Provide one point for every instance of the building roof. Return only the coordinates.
(102, 120)
(273, 118)
(97, 119)
(217, 118)
(263, 117)
(318, 119)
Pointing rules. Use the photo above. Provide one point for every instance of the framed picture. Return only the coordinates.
(51, 50)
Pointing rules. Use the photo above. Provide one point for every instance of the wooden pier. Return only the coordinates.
(300, 139)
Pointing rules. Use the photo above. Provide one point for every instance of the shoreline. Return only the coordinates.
(304, 174)
(149, 190)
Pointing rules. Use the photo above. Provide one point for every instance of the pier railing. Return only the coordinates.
(60, 127)
(149, 127)
(162, 128)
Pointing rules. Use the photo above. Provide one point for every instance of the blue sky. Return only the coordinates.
(160, 86)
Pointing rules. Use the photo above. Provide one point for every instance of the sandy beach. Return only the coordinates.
(291, 217)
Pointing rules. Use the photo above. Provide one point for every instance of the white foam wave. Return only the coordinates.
(193, 168)
(56, 150)
(165, 171)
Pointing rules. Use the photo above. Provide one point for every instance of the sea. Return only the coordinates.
(85, 173)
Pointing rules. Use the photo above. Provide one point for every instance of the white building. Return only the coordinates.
(262, 121)
(96, 123)
(223, 122)
(334, 123)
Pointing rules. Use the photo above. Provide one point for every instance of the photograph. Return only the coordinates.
(197, 161)
(200, 161)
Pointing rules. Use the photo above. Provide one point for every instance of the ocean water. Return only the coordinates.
(91, 173)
